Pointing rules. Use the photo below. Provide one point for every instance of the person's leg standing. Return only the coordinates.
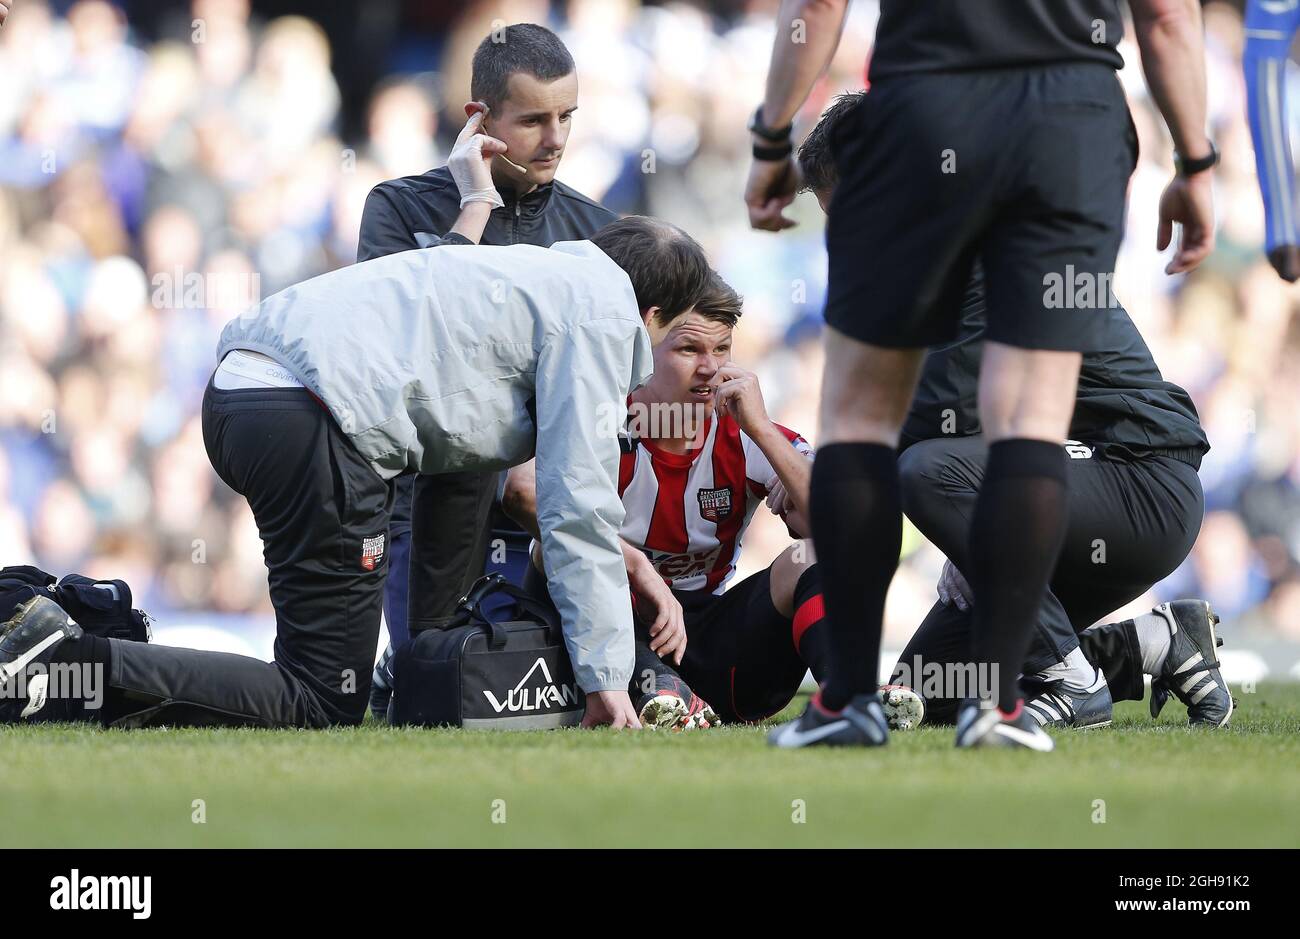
(1049, 260)
(941, 479)
(902, 232)
(865, 393)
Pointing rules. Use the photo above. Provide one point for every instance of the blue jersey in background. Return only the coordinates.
(1270, 26)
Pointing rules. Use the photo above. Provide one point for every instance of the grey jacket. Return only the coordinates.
(475, 357)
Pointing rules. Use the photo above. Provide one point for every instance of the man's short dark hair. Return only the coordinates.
(523, 47)
(719, 301)
(667, 267)
(817, 152)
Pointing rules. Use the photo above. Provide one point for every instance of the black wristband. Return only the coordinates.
(779, 152)
(1186, 167)
(774, 134)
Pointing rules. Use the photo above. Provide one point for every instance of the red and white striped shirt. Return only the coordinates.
(688, 511)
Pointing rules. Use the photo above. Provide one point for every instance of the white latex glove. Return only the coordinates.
(953, 589)
(470, 164)
(778, 500)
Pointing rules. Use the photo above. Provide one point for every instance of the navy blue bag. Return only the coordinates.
(488, 672)
(100, 607)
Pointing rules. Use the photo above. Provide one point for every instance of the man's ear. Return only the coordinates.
(473, 107)
(657, 330)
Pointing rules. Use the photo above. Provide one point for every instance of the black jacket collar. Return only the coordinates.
(530, 204)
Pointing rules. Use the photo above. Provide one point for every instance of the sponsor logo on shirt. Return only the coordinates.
(678, 566)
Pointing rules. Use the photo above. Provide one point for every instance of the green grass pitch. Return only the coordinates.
(1155, 784)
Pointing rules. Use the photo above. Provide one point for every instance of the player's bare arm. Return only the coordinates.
(807, 34)
(1173, 59)
(740, 395)
(654, 598)
(519, 501)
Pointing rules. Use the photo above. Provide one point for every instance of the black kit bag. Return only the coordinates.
(100, 607)
(482, 673)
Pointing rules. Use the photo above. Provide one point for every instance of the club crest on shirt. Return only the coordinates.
(715, 504)
(372, 551)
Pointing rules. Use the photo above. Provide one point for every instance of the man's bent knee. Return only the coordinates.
(789, 566)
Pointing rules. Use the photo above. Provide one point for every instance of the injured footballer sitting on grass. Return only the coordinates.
(441, 359)
(702, 457)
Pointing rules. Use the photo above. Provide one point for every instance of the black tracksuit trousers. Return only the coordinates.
(1130, 525)
(323, 514)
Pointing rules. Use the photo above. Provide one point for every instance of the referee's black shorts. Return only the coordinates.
(1024, 167)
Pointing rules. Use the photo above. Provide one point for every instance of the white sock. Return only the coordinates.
(1076, 673)
(1153, 641)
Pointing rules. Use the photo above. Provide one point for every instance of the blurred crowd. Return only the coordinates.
(130, 168)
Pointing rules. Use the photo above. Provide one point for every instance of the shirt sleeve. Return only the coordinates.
(758, 470)
(1269, 30)
(383, 231)
(583, 379)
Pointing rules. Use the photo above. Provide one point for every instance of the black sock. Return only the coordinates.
(1016, 536)
(857, 522)
(809, 630)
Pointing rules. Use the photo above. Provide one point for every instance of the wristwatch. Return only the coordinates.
(1186, 167)
(776, 135)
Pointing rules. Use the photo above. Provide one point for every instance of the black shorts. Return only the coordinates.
(1026, 168)
(740, 653)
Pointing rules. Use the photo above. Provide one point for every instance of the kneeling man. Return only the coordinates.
(438, 360)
